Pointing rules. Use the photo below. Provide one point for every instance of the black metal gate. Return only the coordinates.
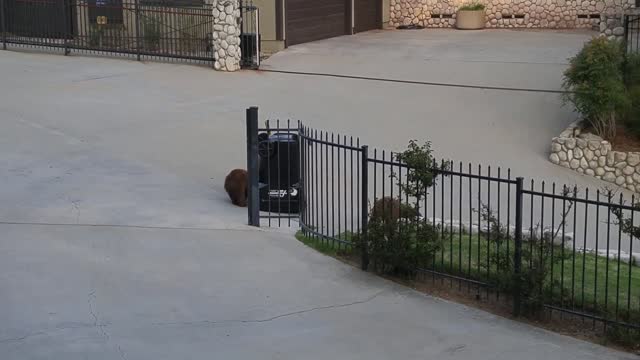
(38, 18)
(250, 35)
(368, 205)
(144, 29)
(632, 33)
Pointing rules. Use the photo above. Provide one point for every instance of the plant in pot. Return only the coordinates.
(471, 16)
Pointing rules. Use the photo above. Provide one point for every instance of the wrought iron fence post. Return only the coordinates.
(137, 16)
(253, 202)
(257, 10)
(3, 25)
(65, 34)
(302, 196)
(626, 33)
(517, 256)
(364, 241)
(625, 44)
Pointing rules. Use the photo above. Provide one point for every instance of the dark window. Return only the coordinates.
(110, 9)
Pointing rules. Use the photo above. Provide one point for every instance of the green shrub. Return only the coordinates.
(399, 242)
(472, 7)
(533, 282)
(632, 70)
(595, 85)
(422, 169)
(629, 338)
(401, 246)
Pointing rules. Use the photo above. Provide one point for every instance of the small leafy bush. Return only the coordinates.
(632, 69)
(629, 338)
(399, 242)
(422, 169)
(533, 281)
(475, 6)
(595, 85)
(401, 246)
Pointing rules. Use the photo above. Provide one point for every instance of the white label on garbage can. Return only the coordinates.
(283, 193)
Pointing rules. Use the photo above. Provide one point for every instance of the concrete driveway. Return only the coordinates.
(98, 140)
(163, 294)
(117, 241)
(511, 129)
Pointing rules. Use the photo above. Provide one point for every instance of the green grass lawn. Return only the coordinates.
(327, 246)
(585, 280)
(581, 279)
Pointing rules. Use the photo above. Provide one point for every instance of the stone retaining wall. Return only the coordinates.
(612, 25)
(591, 155)
(510, 13)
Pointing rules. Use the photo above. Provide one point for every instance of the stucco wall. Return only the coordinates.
(386, 13)
(508, 13)
(268, 25)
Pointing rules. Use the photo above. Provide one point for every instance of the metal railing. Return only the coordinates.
(568, 250)
(144, 29)
(250, 35)
(632, 33)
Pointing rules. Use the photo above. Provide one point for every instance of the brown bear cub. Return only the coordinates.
(389, 210)
(236, 186)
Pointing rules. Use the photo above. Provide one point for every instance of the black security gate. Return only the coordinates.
(38, 18)
(532, 247)
(144, 29)
(250, 35)
(632, 33)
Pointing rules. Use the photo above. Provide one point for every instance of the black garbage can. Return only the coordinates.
(249, 45)
(279, 176)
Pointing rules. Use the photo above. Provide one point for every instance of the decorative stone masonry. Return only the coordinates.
(591, 155)
(226, 35)
(510, 13)
(612, 25)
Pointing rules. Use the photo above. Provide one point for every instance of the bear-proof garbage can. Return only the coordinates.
(279, 177)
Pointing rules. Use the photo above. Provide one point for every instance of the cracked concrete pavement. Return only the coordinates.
(74, 292)
(153, 263)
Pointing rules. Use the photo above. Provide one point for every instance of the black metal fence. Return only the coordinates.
(250, 35)
(632, 33)
(144, 29)
(567, 250)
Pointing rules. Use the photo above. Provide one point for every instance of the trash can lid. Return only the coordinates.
(283, 137)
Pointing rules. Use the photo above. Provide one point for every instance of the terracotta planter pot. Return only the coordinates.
(470, 19)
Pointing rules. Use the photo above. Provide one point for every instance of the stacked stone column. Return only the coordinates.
(226, 35)
(612, 25)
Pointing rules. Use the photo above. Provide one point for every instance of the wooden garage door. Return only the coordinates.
(367, 14)
(309, 20)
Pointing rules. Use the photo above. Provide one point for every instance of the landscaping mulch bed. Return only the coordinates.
(626, 141)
